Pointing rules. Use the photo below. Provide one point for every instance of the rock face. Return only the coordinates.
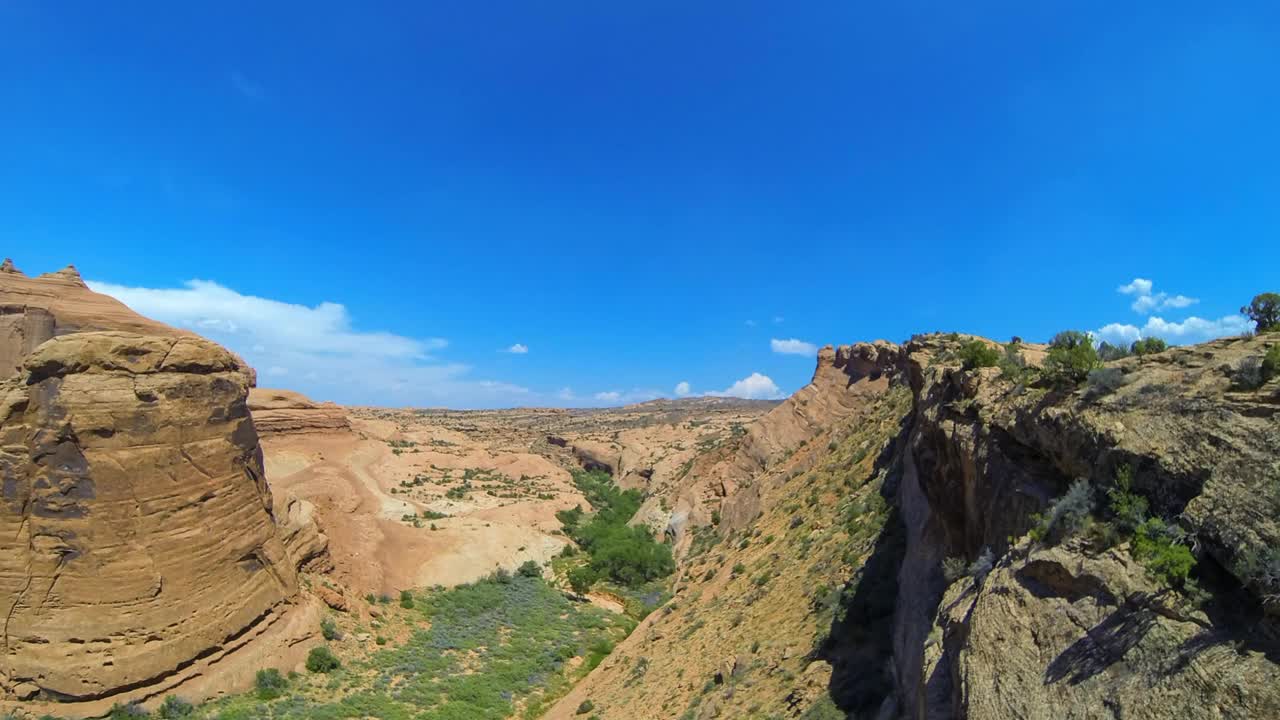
(136, 531)
(1079, 627)
(33, 310)
(1084, 627)
(284, 412)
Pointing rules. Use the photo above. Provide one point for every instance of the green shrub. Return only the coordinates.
(175, 707)
(1264, 311)
(128, 711)
(529, 569)
(329, 629)
(270, 684)
(1271, 364)
(1071, 356)
(1155, 546)
(978, 354)
(953, 568)
(1065, 516)
(586, 707)
(322, 660)
(1148, 346)
(582, 578)
(406, 599)
(1013, 366)
(1130, 508)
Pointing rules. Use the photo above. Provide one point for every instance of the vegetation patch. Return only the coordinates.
(493, 649)
(629, 556)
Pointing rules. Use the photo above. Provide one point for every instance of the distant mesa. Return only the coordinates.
(284, 412)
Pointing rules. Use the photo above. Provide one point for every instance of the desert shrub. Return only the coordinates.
(1013, 366)
(582, 578)
(981, 566)
(128, 711)
(270, 684)
(1264, 311)
(322, 660)
(329, 629)
(1148, 346)
(1271, 364)
(1156, 546)
(406, 599)
(1071, 356)
(978, 354)
(1105, 380)
(529, 569)
(1130, 508)
(585, 707)
(1066, 516)
(175, 707)
(1108, 352)
(953, 568)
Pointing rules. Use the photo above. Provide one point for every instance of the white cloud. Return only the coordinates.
(1192, 330)
(778, 319)
(319, 346)
(626, 397)
(682, 389)
(793, 347)
(751, 323)
(566, 394)
(1139, 286)
(1147, 302)
(753, 387)
(517, 349)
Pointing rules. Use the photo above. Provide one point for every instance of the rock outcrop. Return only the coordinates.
(950, 608)
(33, 310)
(284, 412)
(136, 531)
(1079, 627)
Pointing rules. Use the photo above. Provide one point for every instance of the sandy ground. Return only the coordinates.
(356, 482)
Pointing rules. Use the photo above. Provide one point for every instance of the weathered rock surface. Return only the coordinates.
(284, 412)
(1071, 629)
(33, 310)
(136, 532)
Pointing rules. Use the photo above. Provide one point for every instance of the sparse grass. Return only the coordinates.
(492, 649)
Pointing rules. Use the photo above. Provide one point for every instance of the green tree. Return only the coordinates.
(1148, 346)
(1071, 357)
(1264, 311)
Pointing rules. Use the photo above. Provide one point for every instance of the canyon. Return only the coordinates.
(885, 543)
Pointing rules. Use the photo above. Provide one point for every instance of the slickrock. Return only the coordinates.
(284, 412)
(33, 310)
(136, 532)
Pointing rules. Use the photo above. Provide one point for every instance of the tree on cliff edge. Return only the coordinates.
(1264, 311)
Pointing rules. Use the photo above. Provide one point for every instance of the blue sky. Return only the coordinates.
(378, 199)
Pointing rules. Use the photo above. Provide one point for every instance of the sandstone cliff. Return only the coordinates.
(33, 310)
(136, 532)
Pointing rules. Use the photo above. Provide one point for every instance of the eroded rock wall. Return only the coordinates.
(136, 529)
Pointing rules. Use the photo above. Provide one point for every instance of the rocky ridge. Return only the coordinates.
(958, 473)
